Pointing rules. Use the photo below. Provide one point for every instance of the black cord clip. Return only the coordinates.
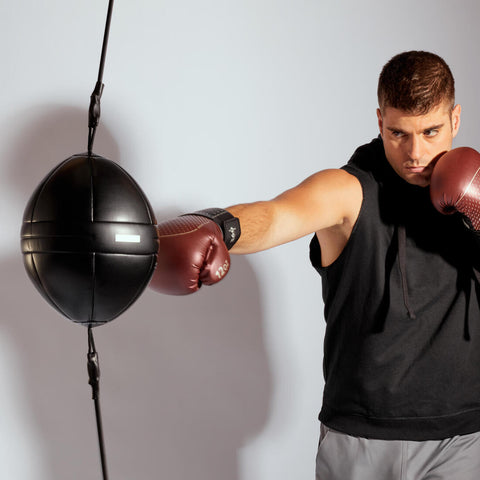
(94, 110)
(93, 366)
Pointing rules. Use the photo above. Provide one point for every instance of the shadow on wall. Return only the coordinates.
(185, 380)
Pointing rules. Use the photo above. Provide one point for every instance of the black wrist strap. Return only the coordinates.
(229, 224)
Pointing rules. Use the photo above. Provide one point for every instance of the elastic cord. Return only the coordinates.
(94, 109)
(93, 367)
(92, 356)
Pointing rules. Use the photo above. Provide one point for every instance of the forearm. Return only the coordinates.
(256, 223)
(321, 201)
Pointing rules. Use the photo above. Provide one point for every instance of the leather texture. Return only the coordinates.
(455, 184)
(89, 240)
(191, 252)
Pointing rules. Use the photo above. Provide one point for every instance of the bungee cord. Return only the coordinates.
(92, 355)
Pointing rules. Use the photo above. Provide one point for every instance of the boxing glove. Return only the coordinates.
(193, 250)
(455, 185)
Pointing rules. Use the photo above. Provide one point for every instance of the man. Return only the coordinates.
(402, 342)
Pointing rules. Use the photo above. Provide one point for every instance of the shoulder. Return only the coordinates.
(345, 183)
(337, 185)
(326, 198)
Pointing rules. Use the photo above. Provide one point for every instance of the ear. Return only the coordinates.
(380, 121)
(456, 119)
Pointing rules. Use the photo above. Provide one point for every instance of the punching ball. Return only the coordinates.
(89, 240)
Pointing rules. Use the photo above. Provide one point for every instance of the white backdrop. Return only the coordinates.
(206, 103)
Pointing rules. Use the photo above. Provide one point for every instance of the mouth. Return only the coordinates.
(418, 169)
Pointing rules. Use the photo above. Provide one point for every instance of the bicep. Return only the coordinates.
(324, 200)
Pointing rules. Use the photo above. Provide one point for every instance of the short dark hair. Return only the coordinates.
(415, 82)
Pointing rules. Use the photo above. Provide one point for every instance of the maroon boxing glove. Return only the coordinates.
(455, 184)
(193, 250)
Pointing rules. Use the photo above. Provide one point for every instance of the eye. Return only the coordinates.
(397, 133)
(431, 132)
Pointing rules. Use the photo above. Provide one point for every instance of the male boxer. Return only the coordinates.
(402, 341)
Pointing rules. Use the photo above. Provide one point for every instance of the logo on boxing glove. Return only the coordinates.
(222, 271)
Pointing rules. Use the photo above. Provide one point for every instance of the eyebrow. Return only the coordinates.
(433, 127)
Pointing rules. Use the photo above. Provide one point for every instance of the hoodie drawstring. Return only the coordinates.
(402, 261)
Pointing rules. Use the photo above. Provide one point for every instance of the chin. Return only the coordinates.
(417, 181)
(422, 184)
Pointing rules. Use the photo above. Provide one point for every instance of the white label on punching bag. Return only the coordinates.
(120, 237)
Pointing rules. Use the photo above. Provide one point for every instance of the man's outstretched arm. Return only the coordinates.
(194, 248)
(326, 199)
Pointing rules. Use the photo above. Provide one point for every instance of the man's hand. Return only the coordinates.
(191, 252)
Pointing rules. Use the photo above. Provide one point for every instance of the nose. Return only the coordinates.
(416, 149)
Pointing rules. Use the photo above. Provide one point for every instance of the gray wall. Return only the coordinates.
(206, 104)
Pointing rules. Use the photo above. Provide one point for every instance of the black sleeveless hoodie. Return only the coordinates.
(402, 341)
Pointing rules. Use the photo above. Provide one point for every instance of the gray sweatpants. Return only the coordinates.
(342, 457)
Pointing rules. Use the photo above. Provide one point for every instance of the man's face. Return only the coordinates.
(414, 142)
